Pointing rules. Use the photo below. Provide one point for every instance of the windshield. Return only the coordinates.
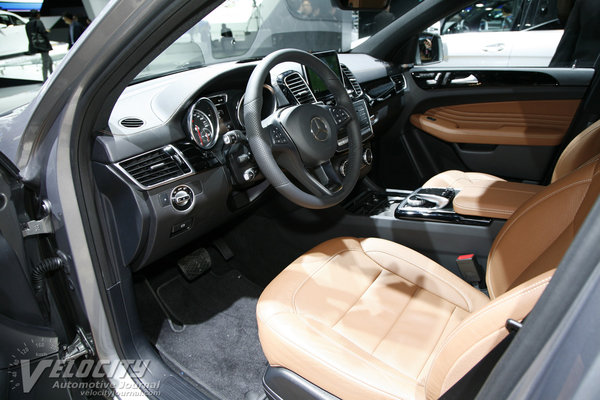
(250, 29)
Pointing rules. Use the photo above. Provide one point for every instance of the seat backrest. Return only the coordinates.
(538, 234)
(582, 149)
(520, 265)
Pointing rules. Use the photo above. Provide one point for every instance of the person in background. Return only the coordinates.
(37, 34)
(580, 43)
(75, 28)
(507, 17)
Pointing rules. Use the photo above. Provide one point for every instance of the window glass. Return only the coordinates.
(515, 33)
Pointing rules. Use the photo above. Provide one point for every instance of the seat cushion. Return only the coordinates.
(361, 318)
(459, 179)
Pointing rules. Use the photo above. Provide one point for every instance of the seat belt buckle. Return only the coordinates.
(470, 270)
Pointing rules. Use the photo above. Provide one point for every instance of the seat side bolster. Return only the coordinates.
(480, 333)
(583, 148)
(424, 272)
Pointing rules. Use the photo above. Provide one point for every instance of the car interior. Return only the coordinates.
(340, 224)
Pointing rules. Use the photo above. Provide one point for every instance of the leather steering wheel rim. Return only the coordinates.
(260, 139)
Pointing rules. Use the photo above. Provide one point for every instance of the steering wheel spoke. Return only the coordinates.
(328, 177)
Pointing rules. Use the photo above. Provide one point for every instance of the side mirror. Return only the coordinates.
(430, 49)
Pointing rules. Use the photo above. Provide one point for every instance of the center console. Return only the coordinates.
(424, 204)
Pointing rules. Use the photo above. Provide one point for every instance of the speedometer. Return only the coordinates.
(203, 123)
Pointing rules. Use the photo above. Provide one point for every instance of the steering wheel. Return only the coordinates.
(302, 138)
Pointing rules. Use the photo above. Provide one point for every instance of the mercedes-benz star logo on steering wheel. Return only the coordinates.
(319, 128)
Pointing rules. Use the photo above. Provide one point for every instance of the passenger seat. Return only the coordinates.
(579, 152)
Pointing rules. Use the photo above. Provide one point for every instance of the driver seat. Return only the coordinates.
(372, 319)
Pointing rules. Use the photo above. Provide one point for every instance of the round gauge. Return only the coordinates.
(269, 105)
(203, 123)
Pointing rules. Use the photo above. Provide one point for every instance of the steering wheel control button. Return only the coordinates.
(339, 115)
(182, 198)
(319, 128)
(278, 136)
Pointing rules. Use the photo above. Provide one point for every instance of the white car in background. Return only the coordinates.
(499, 33)
(13, 38)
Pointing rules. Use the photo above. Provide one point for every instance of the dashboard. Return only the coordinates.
(174, 161)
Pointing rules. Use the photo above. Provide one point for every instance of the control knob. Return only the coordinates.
(182, 197)
(249, 174)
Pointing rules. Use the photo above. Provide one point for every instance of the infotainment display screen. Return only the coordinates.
(314, 81)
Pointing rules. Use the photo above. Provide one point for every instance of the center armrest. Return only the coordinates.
(494, 200)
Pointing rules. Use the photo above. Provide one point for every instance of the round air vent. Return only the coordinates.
(131, 122)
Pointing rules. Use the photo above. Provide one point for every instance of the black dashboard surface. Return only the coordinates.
(169, 169)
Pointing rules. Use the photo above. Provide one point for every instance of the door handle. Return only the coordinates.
(496, 47)
(469, 80)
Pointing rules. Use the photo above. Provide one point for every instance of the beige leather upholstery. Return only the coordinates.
(581, 149)
(529, 123)
(491, 199)
(371, 319)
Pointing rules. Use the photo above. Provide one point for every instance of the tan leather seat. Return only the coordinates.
(581, 149)
(372, 319)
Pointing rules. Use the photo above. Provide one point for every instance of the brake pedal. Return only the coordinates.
(195, 264)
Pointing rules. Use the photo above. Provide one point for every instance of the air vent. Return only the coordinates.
(156, 167)
(352, 81)
(299, 89)
(399, 82)
(131, 122)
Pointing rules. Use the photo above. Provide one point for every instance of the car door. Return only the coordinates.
(507, 121)
(30, 326)
(12, 36)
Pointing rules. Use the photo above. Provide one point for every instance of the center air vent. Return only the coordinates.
(299, 89)
(131, 122)
(399, 82)
(352, 81)
(156, 167)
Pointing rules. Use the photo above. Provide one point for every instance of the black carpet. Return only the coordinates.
(219, 345)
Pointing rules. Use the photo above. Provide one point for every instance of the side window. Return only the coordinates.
(4, 20)
(484, 16)
(504, 33)
(16, 21)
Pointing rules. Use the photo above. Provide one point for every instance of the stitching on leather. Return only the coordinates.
(499, 211)
(476, 317)
(511, 223)
(417, 288)
(468, 303)
(333, 367)
(357, 300)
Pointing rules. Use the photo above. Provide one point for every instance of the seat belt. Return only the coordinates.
(470, 384)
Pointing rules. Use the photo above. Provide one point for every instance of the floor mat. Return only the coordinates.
(219, 346)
